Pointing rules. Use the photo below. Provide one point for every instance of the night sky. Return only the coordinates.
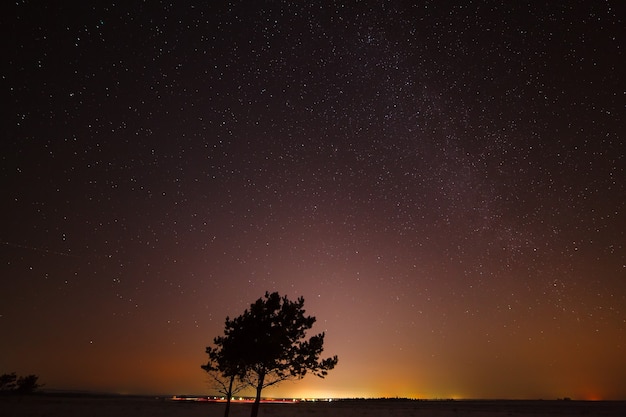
(443, 183)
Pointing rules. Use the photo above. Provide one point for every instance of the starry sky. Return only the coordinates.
(442, 181)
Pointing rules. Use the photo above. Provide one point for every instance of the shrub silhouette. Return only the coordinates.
(11, 383)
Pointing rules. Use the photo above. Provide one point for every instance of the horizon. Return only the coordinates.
(249, 398)
(149, 406)
(250, 395)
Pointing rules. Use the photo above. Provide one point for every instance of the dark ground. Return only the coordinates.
(79, 406)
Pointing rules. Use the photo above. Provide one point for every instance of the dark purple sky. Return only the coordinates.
(442, 182)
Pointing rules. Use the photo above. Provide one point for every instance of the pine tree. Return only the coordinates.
(267, 344)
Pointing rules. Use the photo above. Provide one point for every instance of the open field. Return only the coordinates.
(69, 406)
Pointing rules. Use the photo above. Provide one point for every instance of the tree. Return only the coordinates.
(225, 370)
(11, 383)
(28, 384)
(268, 343)
(8, 382)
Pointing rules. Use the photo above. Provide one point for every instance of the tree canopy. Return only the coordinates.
(267, 344)
(226, 371)
(11, 383)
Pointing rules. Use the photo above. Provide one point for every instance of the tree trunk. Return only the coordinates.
(229, 395)
(257, 400)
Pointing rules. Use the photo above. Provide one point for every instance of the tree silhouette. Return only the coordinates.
(8, 382)
(225, 370)
(267, 344)
(11, 383)
(28, 384)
